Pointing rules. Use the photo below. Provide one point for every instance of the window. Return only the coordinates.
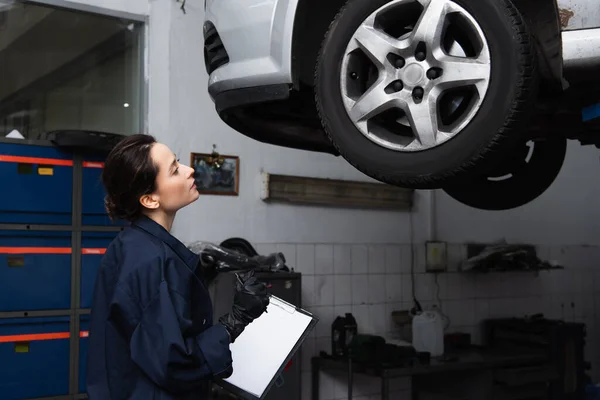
(63, 69)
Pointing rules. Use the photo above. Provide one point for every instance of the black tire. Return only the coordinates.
(527, 182)
(496, 126)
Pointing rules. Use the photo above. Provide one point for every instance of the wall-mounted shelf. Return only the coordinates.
(334, 192)
(504, 257)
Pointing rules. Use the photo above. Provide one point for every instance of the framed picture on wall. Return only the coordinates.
(216, 174)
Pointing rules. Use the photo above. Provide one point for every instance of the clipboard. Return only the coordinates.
(265, 347)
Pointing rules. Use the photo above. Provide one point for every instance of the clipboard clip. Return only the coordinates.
(284, 305)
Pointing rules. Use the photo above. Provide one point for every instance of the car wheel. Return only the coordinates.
(417, 92)
(530, 171)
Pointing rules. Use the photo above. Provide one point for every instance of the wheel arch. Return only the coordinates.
(542, 17)
(309, 31)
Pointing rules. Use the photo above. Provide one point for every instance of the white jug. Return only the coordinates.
(428, 333)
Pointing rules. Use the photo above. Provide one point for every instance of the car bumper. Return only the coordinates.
(248, 43)
(247, 52)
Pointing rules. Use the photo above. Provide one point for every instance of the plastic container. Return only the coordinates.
(343, 331)
(428, 333)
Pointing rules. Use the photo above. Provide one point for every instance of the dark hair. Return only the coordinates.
(129, 173)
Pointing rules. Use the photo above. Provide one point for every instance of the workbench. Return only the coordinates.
(467, 363)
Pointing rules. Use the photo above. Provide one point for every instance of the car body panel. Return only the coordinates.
(257, 35)
(579, 14)
(581, 48)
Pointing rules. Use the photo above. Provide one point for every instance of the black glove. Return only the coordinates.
(250, 301)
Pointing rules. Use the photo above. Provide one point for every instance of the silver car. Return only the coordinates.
(477, 97)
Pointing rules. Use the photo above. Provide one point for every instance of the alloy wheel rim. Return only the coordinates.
(415, 73)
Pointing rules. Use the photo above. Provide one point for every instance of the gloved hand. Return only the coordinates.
(250, 301)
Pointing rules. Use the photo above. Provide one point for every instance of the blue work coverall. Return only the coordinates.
(151, 332)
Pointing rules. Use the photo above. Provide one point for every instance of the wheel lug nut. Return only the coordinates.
(418, 93)
(434, 73)
(395, 60)
(420, 56)
(354, 75)
(394, 87)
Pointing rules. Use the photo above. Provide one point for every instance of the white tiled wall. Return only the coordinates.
(371, 281)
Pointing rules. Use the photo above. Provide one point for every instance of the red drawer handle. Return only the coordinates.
(34, 337)
(40, 336)
(35, 250)
(36, 160)
(48, 250)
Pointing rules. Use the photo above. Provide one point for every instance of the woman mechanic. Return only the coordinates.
(151, 331)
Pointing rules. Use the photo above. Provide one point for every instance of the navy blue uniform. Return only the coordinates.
(151, 332)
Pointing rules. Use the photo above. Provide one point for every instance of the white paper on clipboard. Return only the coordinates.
(259, 352)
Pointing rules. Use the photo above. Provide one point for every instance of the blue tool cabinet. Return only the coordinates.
(93, 247)
(35, 270)
(38, 184)
(34, 357)
(54, 231)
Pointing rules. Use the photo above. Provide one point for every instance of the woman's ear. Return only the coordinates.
(150, 201)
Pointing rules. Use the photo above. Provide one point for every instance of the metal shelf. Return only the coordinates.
(33, 227)
(35, 314)
(45, 313)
